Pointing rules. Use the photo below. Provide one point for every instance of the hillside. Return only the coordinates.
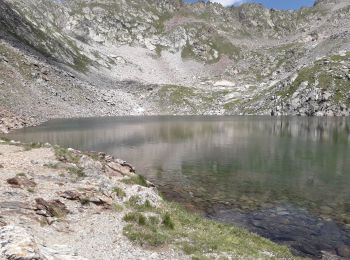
(97, 58)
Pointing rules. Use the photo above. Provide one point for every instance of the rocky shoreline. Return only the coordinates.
(51, 195)
(10, 121)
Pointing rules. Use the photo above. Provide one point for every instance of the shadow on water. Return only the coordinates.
(285, 178)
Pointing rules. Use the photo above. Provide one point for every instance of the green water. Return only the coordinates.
(245, 162)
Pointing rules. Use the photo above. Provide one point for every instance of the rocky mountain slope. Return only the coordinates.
(86, 57)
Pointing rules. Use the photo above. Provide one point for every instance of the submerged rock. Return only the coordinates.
(306, 234)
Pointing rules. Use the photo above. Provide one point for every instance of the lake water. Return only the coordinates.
(287, 178)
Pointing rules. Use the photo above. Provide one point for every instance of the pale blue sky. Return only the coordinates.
(277, 4)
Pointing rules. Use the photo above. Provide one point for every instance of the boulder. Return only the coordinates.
(53, 208)
(17, 244)
(90, 166)
(344, 251)
(116, 169)
(21, 182)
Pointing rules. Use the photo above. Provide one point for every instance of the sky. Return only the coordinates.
(277, 4)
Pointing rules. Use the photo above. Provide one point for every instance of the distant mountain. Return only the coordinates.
(88, 57)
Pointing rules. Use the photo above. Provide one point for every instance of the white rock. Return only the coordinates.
(16, 243)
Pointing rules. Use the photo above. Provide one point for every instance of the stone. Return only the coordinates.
(71, 195)
(116, 169)
(17, 244)
(344, 251)
(21, 182)
(90, 166)
(53, 208)
(101, 200)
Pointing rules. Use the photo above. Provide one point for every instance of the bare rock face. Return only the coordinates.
(17, 244)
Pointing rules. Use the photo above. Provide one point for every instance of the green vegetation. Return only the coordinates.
(84, 201)
(207, 44)
(176, 95)
(159, 50)
(26, 146)
(79, 172)
(137, 179)
(326, 74)
(170, 224)
(225, 47)
(117, 207)
(31, 190)
(137, 217)
(65, 155)
(188, 53)
(134, 202)
(195, 101)
(119, 192)
(52, 165)
(30, 146)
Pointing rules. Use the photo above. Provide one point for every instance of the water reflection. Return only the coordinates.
(246, 163)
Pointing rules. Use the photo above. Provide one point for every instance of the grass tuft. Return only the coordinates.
(167, 221)
(119, 192)
(63, 154)
(79, 172)
(198, 236)
(136, 180)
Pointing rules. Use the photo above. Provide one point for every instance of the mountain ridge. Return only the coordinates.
(169, 57)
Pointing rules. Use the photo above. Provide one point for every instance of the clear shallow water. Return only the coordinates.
(285, 178)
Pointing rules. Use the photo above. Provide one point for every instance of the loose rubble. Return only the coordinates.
(43, 205)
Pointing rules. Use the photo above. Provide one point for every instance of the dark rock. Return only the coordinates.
(116, 169)
(344, 251)
(21, 182)
(53, 208)
(71, 195)
(307, 250)
(2, 223)
(306, 234)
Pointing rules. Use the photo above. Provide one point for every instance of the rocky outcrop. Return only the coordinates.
(10, 121)
(53, 201)
(18, 244)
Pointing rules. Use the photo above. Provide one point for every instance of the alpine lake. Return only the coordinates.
(285, 178)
